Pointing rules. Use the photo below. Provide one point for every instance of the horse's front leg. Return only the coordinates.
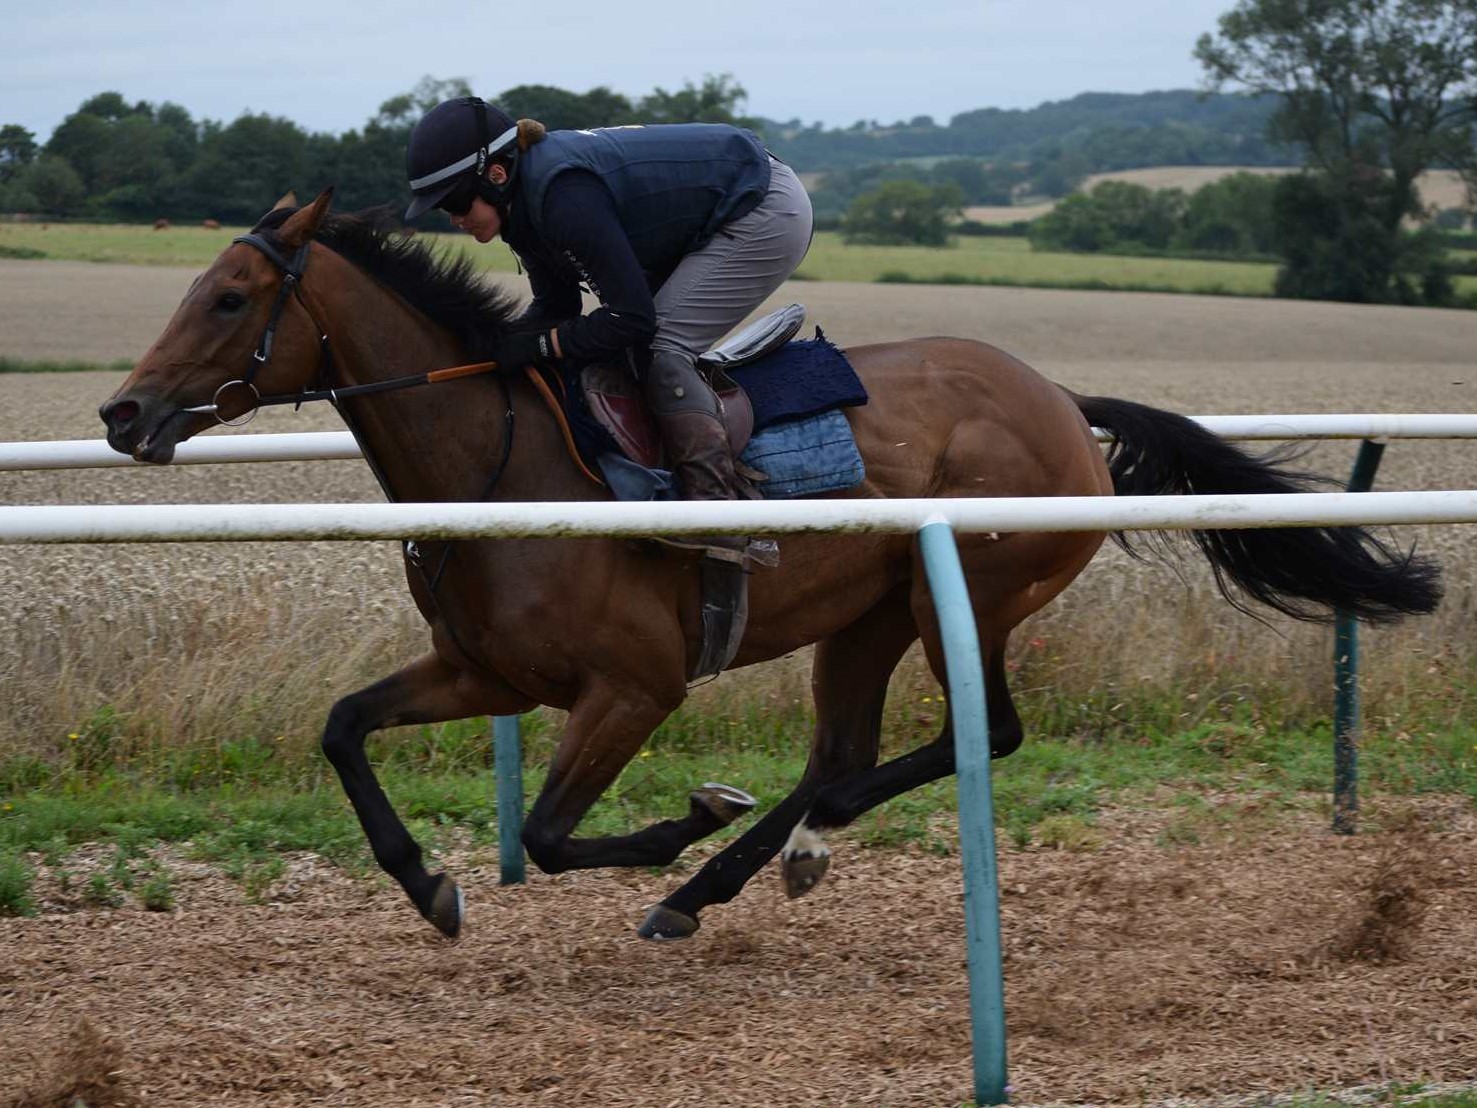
(426, 691)
(606, 727)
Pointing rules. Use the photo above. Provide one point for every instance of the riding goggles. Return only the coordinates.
(458, 201)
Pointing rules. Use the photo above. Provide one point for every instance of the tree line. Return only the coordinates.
(112, 159)
(116, 159)
(1365, 94)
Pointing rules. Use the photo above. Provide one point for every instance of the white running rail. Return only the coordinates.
(334, 445)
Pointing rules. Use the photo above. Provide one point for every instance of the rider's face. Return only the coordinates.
(481, 221)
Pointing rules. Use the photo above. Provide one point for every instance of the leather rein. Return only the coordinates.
(292, 275)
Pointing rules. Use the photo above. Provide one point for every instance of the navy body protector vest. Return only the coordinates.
(674, 185)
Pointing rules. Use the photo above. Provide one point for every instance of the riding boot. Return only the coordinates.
(686, 411)
(698, 453)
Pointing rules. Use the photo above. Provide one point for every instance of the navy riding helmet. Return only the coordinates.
(446, 159)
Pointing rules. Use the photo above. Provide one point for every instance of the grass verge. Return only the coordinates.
(1088, 284)
(21, 365)
(242, 805)
(1004, 261)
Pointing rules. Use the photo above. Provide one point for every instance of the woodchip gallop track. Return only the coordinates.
(1133, 973)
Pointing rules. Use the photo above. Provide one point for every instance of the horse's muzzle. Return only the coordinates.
(144, 427)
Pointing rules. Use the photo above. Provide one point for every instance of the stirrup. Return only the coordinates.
(727, 548)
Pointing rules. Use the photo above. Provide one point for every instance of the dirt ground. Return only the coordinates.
(1274, 962)
(1136, 971)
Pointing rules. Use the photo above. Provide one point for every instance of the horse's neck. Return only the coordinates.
(427, 442)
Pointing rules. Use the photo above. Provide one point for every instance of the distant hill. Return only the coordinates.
(1105, 131)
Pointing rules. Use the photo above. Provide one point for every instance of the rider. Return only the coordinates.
(679, 230)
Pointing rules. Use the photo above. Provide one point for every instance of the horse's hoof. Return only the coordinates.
(448, 907)
(803, 872)
(667, 923)
(723, 802)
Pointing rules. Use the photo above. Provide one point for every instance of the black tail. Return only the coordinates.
(1305, 572)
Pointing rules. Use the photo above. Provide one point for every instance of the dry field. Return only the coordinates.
(150, 630)
(1440, 188)
(1265, 960)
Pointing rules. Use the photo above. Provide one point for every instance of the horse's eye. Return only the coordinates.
(229, 301)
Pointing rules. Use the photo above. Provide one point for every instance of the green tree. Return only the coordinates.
(1057, 172)
(1335, 248)
(719, 99)
(181, 135)
(1365, 87)
(904, 212)
(403, 110)
(83, 140)
(129, 157)
(1232, 216)
(561, 110)
(55, 186)
(246, 165)
(1113, 215)
(17, 150)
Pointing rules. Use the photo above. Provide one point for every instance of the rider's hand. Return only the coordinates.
(517, 349)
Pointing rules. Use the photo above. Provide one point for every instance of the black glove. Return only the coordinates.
(517, 349)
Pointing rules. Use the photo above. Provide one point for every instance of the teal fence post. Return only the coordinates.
(1346, 677)
(976, 807)
(507, 754)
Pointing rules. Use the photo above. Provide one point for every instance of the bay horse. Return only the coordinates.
(604, 627)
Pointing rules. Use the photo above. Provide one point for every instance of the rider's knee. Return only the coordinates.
(673, 384)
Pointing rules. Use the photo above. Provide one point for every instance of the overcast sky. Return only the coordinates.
(329, 65)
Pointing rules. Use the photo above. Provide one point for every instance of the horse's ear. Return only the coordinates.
(289, 200)
(303, 224)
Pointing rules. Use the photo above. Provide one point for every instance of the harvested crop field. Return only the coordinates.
(1440, 189)
(1272, 957)
(152, 618)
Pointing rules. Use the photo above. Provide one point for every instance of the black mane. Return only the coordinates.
(441, 285)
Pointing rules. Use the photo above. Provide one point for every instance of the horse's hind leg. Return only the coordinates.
(850, 678)
(1006, 585)
(606, 727)
(426, 691)
(839, 804)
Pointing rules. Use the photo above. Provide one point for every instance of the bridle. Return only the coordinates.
(292, 276)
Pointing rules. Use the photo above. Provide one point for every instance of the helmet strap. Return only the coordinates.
(496, 195)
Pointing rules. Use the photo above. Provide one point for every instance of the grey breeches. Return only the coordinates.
(715, 288)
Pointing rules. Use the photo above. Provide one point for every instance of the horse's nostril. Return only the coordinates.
(124, 412)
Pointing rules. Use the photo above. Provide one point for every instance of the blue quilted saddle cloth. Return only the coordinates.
(800, 379)
(802, 441)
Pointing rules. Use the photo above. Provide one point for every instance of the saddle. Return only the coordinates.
(614, 398)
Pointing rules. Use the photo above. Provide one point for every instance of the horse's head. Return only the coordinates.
(238, 310)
